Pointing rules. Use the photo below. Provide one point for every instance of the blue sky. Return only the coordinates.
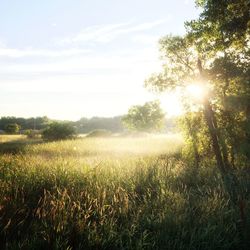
(72, 58)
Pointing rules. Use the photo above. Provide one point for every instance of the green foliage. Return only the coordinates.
(148, 117)
(179, 67)
(59, 131)
(222, 34)
(218, 43)
(32, 134)
(215, 52)
(227, 17)
(12, 128)
(29, 123)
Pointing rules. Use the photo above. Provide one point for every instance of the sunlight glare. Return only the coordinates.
(171, 104)
(197, 91)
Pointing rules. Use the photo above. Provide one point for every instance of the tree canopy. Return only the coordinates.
(214, 52)
(148, 117)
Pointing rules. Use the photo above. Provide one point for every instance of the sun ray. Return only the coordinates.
(171, 103)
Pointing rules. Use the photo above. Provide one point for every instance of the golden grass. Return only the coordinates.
(111, 193)
(9, 138)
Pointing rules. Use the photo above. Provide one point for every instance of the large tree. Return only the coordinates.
(215, 52)
(222, 36)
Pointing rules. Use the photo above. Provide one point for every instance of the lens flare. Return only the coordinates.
(197, 91)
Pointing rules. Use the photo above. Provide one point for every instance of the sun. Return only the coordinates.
(197, 91)
(173, 102)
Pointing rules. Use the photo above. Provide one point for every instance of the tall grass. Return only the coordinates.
(112, 193)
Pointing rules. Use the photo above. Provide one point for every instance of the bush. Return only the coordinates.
(12, 128)
(32, 134)
(99, 133)
(59, 131)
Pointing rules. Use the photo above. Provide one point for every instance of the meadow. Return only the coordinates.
(112, 193)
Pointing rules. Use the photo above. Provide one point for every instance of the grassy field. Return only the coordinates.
(111, 193)
(11, 138)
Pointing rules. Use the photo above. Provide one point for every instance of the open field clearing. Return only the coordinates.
(9, 138)
(105, 145)
(111, 147)
(112, 193)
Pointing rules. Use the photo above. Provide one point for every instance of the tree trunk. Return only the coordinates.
(208, 113)
(211, 123)
(194, 143)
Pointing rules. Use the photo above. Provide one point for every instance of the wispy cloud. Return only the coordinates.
(96, 33)
(92, 34)
(85, 63)
(107, 33)
(16, 53)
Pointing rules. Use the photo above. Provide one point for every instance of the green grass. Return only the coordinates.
(112, 193)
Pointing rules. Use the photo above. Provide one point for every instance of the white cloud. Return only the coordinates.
(16, 53)
(144, 58)
(92, 34)
(98, 33)
(107, 33)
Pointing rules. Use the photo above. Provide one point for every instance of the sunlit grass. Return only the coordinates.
(110, 147)
(111, 193)
(9, 138)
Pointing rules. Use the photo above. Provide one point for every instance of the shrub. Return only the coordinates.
(12, 128)
(59, 131)
(32, 134)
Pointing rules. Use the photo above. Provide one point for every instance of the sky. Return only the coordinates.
(70, 59)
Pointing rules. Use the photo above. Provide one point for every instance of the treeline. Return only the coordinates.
(36, 123)
(84, 125)
(113, 124)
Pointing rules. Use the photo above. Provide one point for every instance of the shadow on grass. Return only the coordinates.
(18, 146)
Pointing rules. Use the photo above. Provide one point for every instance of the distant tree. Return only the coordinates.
(99, 133)
(12, 128)
(59, 131)
(148, 117)
(113, 124)
(25, 123)
(36, 123)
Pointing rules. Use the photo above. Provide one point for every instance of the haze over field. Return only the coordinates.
(68, 59)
